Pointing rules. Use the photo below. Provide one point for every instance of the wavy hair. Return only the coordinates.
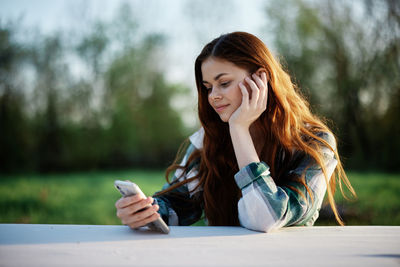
(287, 124)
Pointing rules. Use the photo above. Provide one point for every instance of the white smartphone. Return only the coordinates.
(129, 189)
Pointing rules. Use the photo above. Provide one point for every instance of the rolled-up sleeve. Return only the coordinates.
(264, 206)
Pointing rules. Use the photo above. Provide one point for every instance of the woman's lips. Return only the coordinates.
(221, 108)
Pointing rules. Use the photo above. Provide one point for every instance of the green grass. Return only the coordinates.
(81, 198)
(88, 198)
(378, 201)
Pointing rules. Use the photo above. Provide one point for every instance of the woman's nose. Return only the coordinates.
(215, 94)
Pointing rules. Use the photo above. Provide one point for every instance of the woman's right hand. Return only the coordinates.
(133, 212)
(251, 108)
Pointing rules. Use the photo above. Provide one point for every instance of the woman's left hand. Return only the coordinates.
(251, 109)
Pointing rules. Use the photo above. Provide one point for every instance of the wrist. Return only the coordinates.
(233, 127)
(243, 145)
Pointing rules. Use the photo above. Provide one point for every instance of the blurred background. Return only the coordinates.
(92, 91)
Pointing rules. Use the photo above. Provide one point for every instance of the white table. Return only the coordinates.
(97, 245)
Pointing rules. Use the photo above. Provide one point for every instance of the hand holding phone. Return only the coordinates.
(127, 188)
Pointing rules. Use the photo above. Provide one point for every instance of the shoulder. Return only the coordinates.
(191, 144)
(328, 137)
(196, 139)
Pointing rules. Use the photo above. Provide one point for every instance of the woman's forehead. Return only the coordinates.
(212, 67)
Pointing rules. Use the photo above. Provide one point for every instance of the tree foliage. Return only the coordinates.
(97, 99)
(346, 58)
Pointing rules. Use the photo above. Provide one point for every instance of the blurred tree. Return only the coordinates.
(145, 129)
(51, 73)
(83, 107)
(345, 56)
(15, 141)
(93, 46)
(89, 100)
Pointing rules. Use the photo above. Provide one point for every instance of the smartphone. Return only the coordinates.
(126, 189)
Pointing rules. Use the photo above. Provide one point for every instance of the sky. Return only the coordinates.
(173, 18)
(187, 24)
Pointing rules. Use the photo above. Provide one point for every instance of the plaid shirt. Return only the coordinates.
(264, 206)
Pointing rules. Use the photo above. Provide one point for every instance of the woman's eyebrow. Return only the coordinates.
(217, 77)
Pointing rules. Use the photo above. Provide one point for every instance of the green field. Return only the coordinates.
(88, 198)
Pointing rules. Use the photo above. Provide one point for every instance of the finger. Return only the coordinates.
(124, 214)
(145, 221)
(139, 216)
(265, 100)
(262, 87)
(140, 205)
(245, 94)
(260, 83)
(126, 201)
(255, 91)
(264, 77)
(133, 208)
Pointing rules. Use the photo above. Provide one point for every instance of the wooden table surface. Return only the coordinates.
(111, 245)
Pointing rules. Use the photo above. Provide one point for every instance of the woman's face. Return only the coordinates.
(222, 78)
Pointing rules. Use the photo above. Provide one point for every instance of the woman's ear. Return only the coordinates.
(259, 71)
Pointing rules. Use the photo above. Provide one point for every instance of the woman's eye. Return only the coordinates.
(205, 87)
(225, 84)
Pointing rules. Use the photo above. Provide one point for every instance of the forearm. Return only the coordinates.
(243, 146)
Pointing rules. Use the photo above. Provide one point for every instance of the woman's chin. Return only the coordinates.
(224, 118)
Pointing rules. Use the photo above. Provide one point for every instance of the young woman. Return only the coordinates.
(261, 160)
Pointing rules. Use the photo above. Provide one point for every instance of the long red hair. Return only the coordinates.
(287, 125)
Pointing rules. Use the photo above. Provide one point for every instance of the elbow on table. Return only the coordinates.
(256, 216)
(258, 224)
(260, 227)
(266, 222)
